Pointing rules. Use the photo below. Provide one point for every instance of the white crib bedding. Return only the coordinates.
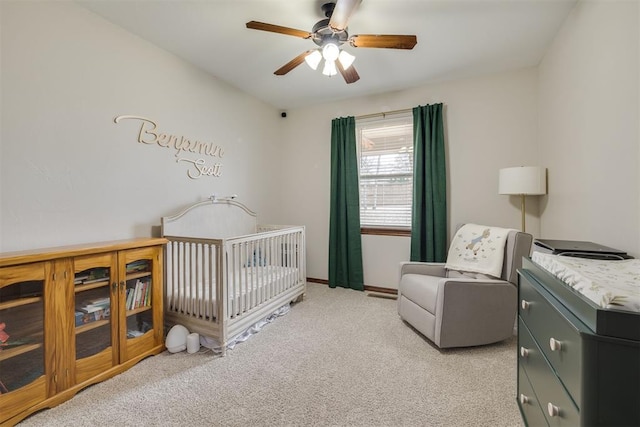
(248, 282)
(609, 284)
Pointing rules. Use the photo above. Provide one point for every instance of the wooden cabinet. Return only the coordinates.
(74, 316)
(578, 364)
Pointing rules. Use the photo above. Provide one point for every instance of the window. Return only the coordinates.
(385, 157)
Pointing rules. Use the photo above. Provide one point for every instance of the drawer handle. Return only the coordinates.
(523, 399)
(524, 352)
(553, 410)
(555, 345)
(525, 304)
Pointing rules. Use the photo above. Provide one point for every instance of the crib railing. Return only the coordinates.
(191, 274)
(220, 280)
(261, 267)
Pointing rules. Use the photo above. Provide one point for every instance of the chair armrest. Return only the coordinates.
(458, 285)
(425, 268)
(475, 311)
(461, 281)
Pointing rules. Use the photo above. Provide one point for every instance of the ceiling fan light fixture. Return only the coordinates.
(330, 52)
(313, 59)
(331, 33)
(346, 59)
(329, 68)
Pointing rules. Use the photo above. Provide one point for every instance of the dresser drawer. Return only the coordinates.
(557, 338)
(556, 404)
(530, 408)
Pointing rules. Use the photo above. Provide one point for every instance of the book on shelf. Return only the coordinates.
(138, 266)
(90, 306)
(129, 298)
(84, 316)
(80, 278)
(100, 279)
(92, 310)
(147, 295)
(136, 298)
(143, 291)
(138, 295)
(104, 301)
(95, 275)
(80, 318)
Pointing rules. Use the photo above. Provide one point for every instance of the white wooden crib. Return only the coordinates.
(224, 273)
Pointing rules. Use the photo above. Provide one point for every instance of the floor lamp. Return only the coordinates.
(523, 181)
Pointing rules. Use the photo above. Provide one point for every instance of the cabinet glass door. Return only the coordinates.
(22, 362)
(95, 293)
(137, 296)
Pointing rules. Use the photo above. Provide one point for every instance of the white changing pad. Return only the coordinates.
(609, 284)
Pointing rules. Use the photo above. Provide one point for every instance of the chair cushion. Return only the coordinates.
(421, 289)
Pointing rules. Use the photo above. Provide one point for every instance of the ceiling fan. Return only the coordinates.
(330, 34)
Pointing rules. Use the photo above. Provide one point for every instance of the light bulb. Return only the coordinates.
(329, 68)
(346, 59)
(313, 59)
(330, 52)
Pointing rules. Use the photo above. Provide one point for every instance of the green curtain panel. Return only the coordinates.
(345, 244)
(429, 213)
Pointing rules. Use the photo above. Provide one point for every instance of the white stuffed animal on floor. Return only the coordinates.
(177, 339)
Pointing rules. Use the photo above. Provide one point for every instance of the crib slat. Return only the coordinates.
(181, 283)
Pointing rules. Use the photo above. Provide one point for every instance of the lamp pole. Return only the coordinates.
(523, 211)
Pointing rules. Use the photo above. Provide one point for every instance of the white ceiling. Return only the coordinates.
(456, 39)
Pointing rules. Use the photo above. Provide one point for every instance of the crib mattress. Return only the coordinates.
(244, 283)
(607, 283)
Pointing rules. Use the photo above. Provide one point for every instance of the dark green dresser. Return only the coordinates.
(578, 364)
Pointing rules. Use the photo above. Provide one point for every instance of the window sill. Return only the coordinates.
(380, 231)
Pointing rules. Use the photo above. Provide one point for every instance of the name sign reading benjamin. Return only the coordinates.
(149, 134)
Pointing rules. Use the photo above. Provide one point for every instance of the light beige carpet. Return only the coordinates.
(339, 358)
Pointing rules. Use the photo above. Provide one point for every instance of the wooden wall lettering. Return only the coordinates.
(149, 134)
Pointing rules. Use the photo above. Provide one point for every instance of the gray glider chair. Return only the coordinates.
(457, 309)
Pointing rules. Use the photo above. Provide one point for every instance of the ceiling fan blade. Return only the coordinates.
(255, 25)
(341, 14)
(292, 64)
(350, 74)
(383, 41)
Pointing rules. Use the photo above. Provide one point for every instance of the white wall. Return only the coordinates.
(70, 174)
(590, 127)
(490, 123)
(1, 151)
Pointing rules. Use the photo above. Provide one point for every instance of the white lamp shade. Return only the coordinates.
(346, 59)
(313, 59)
(527, 180)
(330, 51)
(329, 68)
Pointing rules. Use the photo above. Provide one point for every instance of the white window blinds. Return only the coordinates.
(385, 159)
